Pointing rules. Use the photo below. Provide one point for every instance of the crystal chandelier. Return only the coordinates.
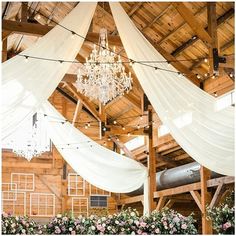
(104, 76)
(30, 139)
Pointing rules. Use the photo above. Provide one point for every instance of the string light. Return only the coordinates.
(206, 74)
(72, 34)
(38, 17)
(198, 76)
(109, 139)
(215, 94)
(205, 60)
(88, 124)
(26, 58)
(128, 134)
(168, 63)
(231, 75)
(179, 74)
(104, 129)
(141, 117)
(114, 122)
(138, 126)
(123, 127)
(213, 76)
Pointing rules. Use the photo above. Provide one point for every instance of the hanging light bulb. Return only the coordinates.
(88, 124)
(123, 128)
(114, 122)
(26, 58)
(128, 134)
(138, 126)
(205, 60)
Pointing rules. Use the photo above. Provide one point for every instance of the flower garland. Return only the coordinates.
(126, 222)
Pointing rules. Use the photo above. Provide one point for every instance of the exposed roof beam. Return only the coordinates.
(195, 24)
(157, 18)
(220, 20)
(122, 146)
(135, 8)
(222, 49)
(40, 30)
(84, 100)
(181, 26)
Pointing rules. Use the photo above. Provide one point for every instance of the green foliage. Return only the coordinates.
(223, 216)
(126, 222)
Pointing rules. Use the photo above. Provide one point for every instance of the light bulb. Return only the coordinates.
(26, 58)
(206, 60)
(114, 122)
(123, 128)
(128, 134)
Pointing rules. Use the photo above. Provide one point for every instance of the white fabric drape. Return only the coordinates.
(99, 166)
(25, 85)
(206, 134)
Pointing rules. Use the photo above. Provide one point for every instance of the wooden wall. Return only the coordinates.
(48, 173)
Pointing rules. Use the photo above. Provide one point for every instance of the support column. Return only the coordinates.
(4, 50)
(212, 30)
(151, 162)
(205, 199)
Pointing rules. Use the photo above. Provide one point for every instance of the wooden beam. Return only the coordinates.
(136, 6)
(212, 30)
(40, 30)
(171, 202)
(24, 11)
(205, 200)
(161, 203)
(151, 161)
(181, 189)
(216, 195)
(84, 100)
(171, 163)
(181, 26)
(134, 101)
(157, 17)
(4, 50)
(197, 198)
(178, 65)
(195, 24)
(220, 20)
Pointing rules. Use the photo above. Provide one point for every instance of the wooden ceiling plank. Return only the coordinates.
(181, 26)
(195, 24)
(134, 8)
(222, 19)
(157, 18)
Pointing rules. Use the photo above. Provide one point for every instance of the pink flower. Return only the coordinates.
(164, 223)
(5, 214)
(143, 224)
(176, 219)
(73, 232)
(139, 231)
(183, 226)
(157, 231)
(226, 225)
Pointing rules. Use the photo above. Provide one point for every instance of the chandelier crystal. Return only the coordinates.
(104, 76)
(30, 139)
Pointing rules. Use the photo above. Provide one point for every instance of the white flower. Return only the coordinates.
(132, 214)
(133, 232)
(117, 222)
(93, 227)
(23, 231)
(70, 229)
(103, 225)
(104, 218)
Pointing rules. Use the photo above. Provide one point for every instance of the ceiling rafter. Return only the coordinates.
(221, 20)
(195, 24)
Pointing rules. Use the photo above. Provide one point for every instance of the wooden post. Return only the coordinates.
(205, 199)
(151, 162)
(24, 11)
(4, 50)
(212, 30)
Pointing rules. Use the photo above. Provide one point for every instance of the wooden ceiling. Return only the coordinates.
(179, 31)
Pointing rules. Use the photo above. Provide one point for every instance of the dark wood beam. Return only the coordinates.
(195, 24)
(181, 26)
(40, 30)
(24, 11)
(226, 16)
(212, 30)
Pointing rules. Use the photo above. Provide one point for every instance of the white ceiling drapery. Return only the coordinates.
(99, 166)
(25, 85)
(208, 136)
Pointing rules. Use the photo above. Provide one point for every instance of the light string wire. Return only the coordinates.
(129, 59)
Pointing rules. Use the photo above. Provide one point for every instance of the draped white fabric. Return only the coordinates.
(98, 165)
(25, 85)
(206, 134)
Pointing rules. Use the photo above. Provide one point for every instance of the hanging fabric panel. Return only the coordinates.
(98, 165)
(26, 85)
(205, 133)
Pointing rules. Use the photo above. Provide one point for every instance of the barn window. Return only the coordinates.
(42, 204)
(79, 206)
(24, 181)
(98, 201)
(15, 206)
(134, 143)
(76, 185)
(9, 191)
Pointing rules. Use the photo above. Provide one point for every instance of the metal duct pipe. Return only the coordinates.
(181, 175)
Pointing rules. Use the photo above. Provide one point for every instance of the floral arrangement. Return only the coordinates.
(223, 216)
(126, 222)
(19, 225)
